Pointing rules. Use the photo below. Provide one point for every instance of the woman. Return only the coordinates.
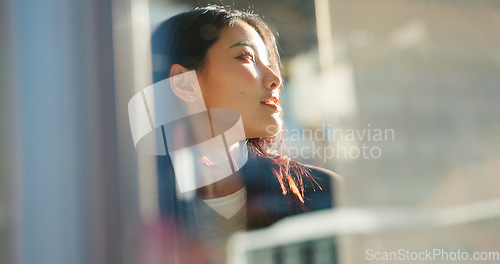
(237, 66)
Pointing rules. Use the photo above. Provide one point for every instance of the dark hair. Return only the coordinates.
(186, 38)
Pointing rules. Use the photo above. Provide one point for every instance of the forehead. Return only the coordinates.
(240, 31)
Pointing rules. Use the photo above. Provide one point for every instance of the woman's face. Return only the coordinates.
(236, 75)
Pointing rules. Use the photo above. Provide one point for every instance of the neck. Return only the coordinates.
(224, 187)
(229, 184)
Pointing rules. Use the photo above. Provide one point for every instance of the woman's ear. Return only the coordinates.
(181, 85)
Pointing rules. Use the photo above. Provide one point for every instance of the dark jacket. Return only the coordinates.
(266, 203)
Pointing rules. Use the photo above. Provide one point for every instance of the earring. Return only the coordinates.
(191, 96)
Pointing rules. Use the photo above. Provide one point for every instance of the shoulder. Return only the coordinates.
(322, 173)
(319, 187)
(266, 202)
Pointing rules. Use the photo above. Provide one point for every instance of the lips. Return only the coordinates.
(272, 102)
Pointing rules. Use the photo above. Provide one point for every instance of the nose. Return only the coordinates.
(271, 79)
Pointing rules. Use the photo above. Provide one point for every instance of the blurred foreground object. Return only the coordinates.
(350, 235)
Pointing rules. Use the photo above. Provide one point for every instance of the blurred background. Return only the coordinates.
(413, 83)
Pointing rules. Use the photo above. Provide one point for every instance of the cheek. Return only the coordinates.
(218, 90)
(228, 83)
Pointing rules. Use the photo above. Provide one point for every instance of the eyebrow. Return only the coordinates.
(249, 44)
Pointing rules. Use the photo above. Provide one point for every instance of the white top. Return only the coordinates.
(228, 206)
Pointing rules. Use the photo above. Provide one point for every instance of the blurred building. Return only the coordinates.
(428, 70)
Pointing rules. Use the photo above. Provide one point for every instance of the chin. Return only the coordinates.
(266, 126)
(269, 130)
(272, 130)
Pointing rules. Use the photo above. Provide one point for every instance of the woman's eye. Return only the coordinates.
(247, 55)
